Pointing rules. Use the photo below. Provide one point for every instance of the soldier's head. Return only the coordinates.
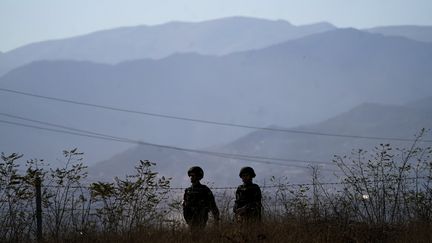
(195, 174)
(247, 174)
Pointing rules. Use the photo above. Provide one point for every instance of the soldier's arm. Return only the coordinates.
(259, 201)
(258, 195)
(237, 195)
(186, 211)
(213, 207)
(184, 202)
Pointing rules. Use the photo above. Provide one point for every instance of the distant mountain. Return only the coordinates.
(215, 37)
(297, 82)
(419, 33)
(424, 105)
(367, 119)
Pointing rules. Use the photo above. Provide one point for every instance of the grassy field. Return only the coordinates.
(382, 196)
(290, 231)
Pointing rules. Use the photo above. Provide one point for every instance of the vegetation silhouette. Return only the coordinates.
(383, 195)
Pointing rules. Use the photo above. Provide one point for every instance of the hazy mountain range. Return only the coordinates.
(215, 37)
(375, 120)
(243, 71)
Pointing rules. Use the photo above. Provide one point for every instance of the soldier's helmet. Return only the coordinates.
(197, 171)
(247, 170)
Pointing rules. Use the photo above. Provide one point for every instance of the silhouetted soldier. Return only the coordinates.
(198, 200)
(247, 206)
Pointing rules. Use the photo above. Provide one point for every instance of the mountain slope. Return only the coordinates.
(419, 33)
(214, 37)
(297, 82)
(367, 119)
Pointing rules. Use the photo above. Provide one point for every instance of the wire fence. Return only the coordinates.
(277, 186)
(274, 203)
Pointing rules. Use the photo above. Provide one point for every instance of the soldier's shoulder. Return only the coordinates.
(201, 188)
(242, 186)
(255, 185)
(205, 188)
(249, 187)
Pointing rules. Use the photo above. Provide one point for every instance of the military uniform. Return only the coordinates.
(247, 206)
(198, 200)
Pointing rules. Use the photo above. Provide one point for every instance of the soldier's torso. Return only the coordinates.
(197, 197)
(247, 194)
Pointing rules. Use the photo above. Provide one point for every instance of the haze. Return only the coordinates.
(169, 65)
(24, 22)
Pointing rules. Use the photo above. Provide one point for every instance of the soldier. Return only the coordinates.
(247, 206)
(198, 200)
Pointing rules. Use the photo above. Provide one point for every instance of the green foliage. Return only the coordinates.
(71, 209)
(389, 185)
(65, 199)
(15, 199)
(289, 201)
(133, 202)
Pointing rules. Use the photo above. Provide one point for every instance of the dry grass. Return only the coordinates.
(289, 231)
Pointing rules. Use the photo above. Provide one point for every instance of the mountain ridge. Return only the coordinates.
(213, 37)
(414, 32)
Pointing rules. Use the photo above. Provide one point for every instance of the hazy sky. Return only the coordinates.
(26, 21)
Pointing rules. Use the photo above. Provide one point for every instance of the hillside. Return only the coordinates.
(368, 119)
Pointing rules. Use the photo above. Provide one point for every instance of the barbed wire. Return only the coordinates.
(280, 185)
(275, 203)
